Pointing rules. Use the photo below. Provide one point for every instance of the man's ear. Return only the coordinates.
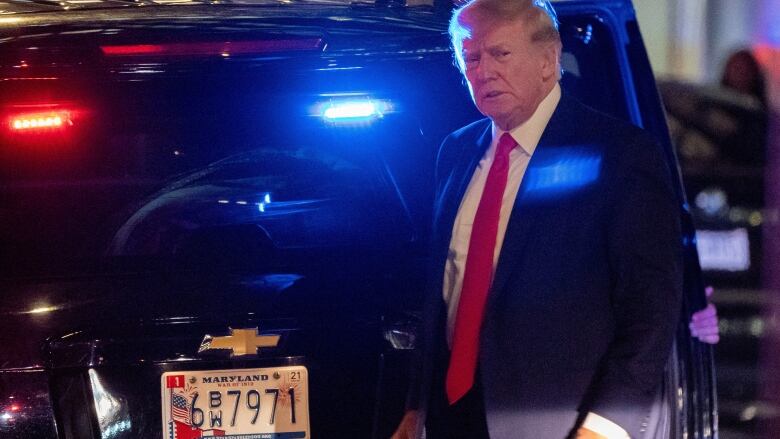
(551, 54)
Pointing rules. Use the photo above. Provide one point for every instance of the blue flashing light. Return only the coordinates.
(352, 110)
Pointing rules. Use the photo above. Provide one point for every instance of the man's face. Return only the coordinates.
(507, 73)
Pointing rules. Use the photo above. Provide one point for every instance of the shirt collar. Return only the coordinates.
(528, 133)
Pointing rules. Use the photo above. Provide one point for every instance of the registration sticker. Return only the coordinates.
(266, 403)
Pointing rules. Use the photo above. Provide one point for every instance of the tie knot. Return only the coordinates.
(506, 143)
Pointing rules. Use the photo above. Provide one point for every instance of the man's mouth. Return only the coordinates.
(493, 94)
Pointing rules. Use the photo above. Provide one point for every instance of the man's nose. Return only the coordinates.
(486, 70)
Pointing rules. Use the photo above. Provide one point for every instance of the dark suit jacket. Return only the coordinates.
(586, 295)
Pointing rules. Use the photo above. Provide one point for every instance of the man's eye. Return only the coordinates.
(503, 54)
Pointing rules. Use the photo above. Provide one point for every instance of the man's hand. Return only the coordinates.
(407, 429)
(704, 323)
(584, 433)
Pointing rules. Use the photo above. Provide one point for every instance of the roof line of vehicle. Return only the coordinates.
(64, 5)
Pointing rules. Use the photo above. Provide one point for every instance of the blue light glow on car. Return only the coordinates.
(266, 201)
(352, 110)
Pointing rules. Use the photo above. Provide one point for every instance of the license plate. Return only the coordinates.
(723, 250)
(266, 403)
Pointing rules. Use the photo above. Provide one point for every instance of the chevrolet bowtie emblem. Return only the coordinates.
(239, 342)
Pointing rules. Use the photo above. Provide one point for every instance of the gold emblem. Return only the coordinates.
(239, 342)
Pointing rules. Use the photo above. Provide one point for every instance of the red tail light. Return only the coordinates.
(39, 119)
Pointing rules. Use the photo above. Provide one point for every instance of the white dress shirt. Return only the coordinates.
(527, 136)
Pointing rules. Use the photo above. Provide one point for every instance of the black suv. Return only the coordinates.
(214, 214)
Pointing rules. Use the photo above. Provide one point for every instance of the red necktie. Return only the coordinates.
(478, 275)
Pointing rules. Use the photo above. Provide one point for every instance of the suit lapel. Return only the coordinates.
(521, 222)
(459, 181)
(523, 218)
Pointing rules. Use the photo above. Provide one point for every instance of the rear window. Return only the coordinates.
(157, 161)
(314, 150)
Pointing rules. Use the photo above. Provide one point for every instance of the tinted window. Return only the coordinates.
(155, 146)
(590, 65)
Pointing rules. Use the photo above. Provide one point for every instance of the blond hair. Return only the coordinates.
(538, 14)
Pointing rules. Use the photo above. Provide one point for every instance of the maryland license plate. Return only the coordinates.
(267, 403)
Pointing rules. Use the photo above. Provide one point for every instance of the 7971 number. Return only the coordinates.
(251, 399)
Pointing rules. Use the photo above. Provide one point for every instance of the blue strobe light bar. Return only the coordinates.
(353, 110)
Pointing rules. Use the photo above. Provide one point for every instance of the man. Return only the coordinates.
(556, 273)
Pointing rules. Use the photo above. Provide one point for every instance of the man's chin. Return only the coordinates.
(492, 112)
(506, 120)
(496, 110)
(502, 120)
